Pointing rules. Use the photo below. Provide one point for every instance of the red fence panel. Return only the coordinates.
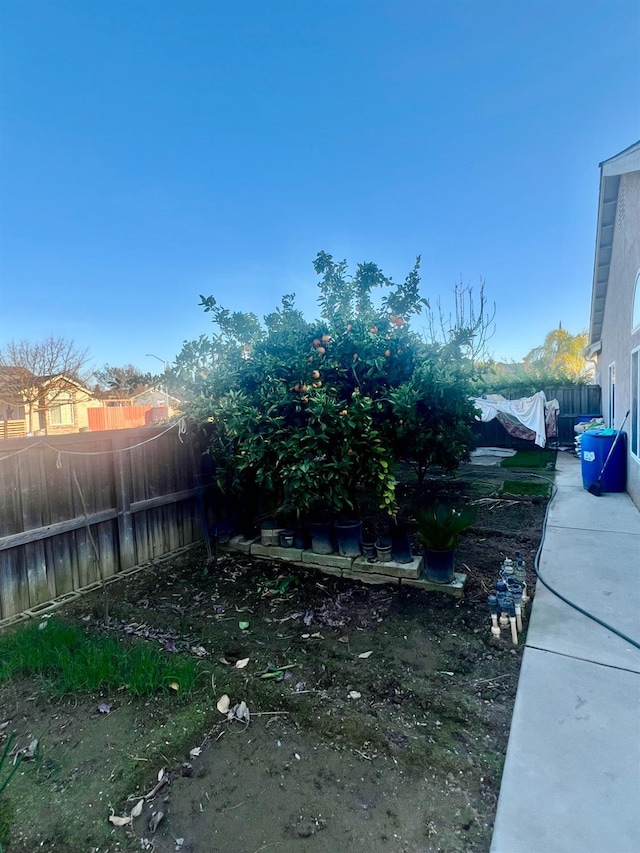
(117, 417)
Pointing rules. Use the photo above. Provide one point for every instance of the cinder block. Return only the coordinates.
(323, 570)
(49, 606)
(238, 543)
(392, 569)
(455, 588)
(275, 552)
(333, 560)
(369, 577)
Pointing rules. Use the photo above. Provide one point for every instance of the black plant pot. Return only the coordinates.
(348, 535)
(383, 550)
(401, 545)
(321, 537)
(438, 566)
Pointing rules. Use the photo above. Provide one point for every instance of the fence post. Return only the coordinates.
(123, 502)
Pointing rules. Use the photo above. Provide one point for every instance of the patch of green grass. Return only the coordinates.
(535, 459)
(523, 487)
(74, 660)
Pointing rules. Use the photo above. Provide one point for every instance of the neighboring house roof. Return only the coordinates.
(163, 395)
(14, 380)
(610, 171)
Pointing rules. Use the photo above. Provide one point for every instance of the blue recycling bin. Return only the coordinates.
(595, 447)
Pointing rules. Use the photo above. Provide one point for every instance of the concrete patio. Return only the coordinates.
(572, 774)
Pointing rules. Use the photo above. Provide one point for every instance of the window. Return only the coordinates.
(635, 323)
(61, 410)
(635, 404)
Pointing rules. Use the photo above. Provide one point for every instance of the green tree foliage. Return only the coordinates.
(306, 411)
(126, 380)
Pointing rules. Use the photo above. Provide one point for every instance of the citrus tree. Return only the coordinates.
(307, 411)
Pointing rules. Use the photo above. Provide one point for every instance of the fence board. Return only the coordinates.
(117, 417)
(140, 505)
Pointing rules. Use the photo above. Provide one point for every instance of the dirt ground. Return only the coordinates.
(397, 750)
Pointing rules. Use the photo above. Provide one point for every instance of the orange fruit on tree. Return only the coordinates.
(326, 339)
(315, 374)
(321, 350)
(315, 342)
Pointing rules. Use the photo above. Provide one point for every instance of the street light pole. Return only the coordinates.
(165, 364)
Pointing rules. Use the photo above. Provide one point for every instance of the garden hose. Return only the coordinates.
(540, 577)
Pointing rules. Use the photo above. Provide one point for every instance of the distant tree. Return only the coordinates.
(126, 380)
(36, 374)
(560, 357)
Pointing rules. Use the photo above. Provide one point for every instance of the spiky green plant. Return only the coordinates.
(439, 527)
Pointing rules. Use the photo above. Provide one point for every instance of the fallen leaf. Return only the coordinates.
(42, 625)
(116, 820)
(306, 636)
(242, 712)
(174, 685)
(317, 636)
(365, 655)
(295, 755)
(240, 664)
(223, 704)
(224, 661)
(31, 750)
(136, 811)
(161, 775)
(243, 625)
(343, 639)
(195, 752)
(354, 694)
(155, 820)
(104, 707)
(200, 651)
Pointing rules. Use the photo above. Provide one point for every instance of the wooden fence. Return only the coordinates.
(140, 503)
(118, 417)
(13, 429)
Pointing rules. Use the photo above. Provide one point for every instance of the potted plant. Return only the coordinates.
(439, 529)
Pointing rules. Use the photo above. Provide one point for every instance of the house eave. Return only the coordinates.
(610, 171)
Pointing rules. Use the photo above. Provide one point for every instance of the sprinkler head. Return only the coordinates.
(492, 601)
(515, 587)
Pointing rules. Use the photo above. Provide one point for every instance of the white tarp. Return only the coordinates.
(529, 411)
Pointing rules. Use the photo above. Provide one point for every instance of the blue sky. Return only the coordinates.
(154, 150)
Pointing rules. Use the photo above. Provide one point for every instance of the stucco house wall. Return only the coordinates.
(618, 339)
